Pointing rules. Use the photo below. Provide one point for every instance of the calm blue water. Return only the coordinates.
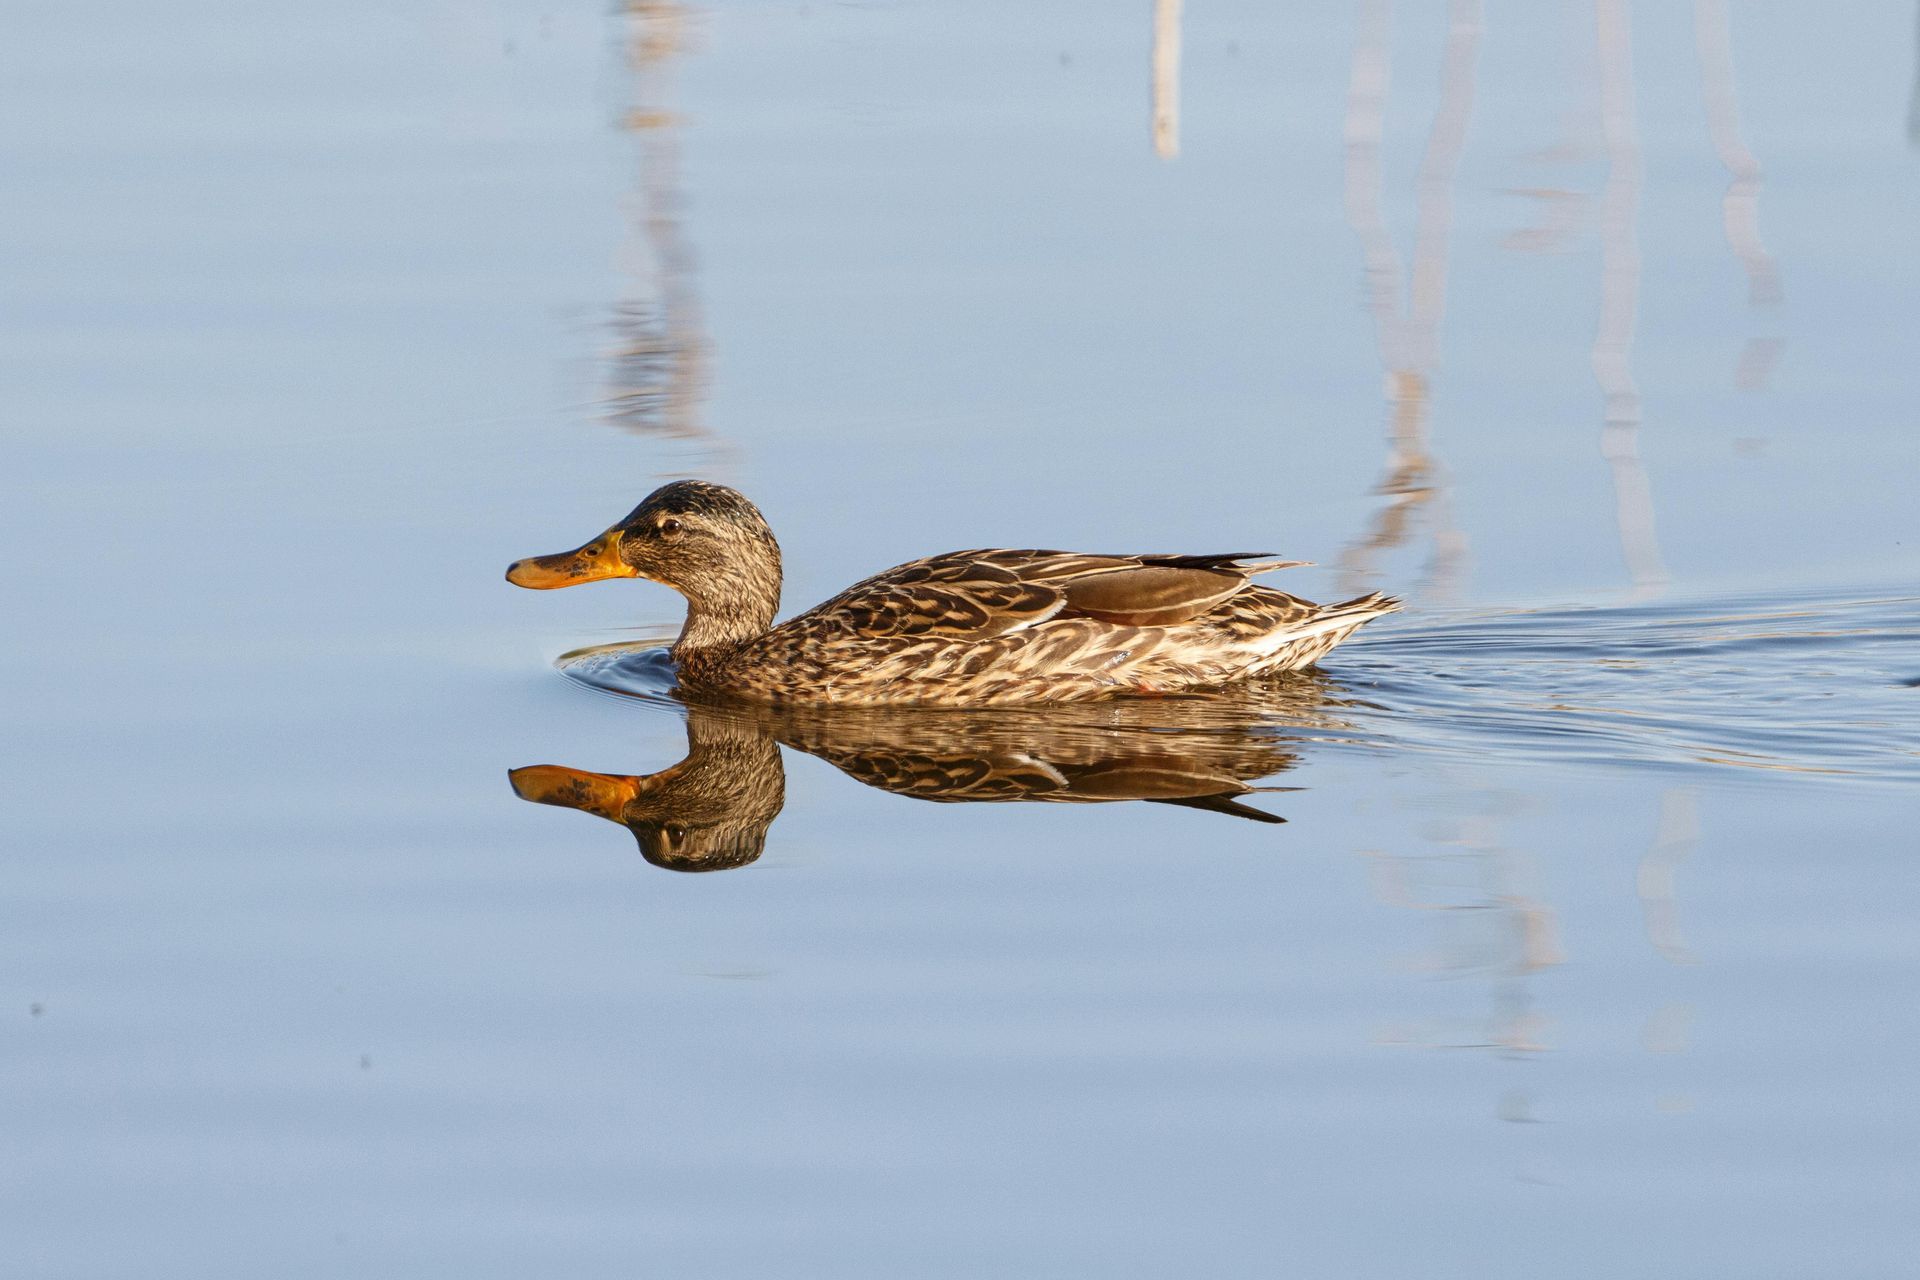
(1586, 946)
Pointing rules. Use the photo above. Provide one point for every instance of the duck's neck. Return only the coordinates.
(731, 601)
(715, 632)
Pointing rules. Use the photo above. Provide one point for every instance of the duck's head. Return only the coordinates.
(706, 541)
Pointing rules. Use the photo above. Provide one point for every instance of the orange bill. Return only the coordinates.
(598, 559)
(605, 795)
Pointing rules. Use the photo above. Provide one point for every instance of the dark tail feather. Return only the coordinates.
(1373, 605)
(1227, 804)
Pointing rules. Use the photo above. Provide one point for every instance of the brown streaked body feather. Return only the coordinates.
(1004, 627)
(983, 627)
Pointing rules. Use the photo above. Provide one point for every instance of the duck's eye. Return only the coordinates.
(669, 526)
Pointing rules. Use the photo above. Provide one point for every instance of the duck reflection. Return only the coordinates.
(712, 810)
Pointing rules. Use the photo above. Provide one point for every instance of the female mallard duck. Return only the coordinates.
(973, 628)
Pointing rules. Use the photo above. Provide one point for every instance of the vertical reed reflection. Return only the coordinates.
(1408, 341)
(1674, 839)
(1166, 78)
(1913, 101)
(1620, 300)
(1740, 207)
(658, 378)
(1495, 923)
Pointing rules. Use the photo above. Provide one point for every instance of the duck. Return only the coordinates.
(976, 628)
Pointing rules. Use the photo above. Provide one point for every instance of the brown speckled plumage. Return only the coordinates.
(974, 628)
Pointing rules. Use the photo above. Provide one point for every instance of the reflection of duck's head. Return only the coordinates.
(710, 812)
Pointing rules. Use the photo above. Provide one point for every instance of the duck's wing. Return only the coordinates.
(1143, 591)
(975, 595)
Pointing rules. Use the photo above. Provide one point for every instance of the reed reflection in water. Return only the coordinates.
(1913, 99)
(1166, 79)
(711, 811)
(1407, 334)
(1493, 920)
(1620, 273)
(1740, 206)
(658, 378)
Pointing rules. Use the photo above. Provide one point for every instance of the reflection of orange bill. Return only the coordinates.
(605, 795)
(598, 559)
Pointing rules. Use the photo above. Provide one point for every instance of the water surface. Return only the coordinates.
(1584, 946)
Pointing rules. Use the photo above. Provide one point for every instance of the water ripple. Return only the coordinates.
(1817, 686)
